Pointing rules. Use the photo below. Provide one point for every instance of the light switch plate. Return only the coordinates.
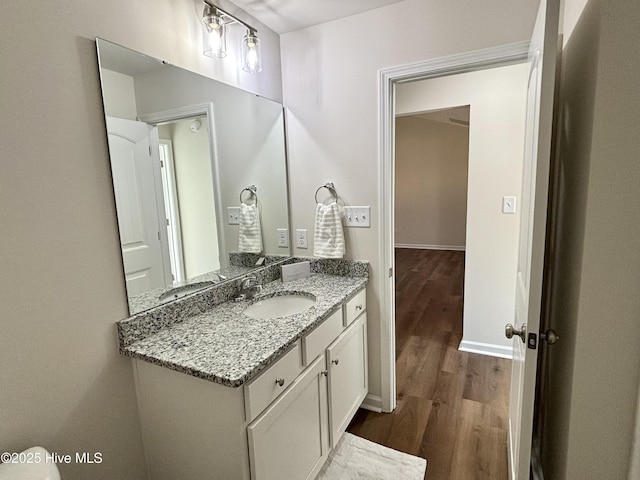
(357, 217)
(301, 238)
(508, 204)
(283, 237)
(233, 215)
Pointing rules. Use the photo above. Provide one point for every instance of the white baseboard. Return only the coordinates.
(420, 246)
(486, 349)
(373, 403)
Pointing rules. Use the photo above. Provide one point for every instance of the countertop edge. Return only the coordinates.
(130, 350)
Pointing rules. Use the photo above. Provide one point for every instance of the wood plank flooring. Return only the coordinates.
(452, 407)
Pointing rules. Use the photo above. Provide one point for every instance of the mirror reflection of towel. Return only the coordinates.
(328, 238)
(249, 231)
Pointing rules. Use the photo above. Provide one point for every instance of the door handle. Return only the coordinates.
(510, 331)
(550, 336)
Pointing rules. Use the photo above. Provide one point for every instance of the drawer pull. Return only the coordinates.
(280, 381)
(359, 307)
(336, 361)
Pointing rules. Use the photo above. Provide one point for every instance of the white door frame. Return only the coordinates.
(172, 210)
(196, 111)
(387, 80)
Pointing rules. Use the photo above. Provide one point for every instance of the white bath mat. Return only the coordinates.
(357, 458)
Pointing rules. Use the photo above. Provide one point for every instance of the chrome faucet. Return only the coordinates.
(249, 288)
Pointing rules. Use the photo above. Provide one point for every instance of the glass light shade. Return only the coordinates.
(214, 40)
(251, 53)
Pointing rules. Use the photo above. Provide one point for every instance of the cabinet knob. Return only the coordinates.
(336, 361)
(325, 373)
(280, 381)
(359, 307)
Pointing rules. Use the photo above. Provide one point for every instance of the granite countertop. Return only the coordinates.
(150, 299)
(225, 346)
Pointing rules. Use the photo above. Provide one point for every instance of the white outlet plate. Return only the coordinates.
(301, 238)
(508, 204)
(233, 214)
(283, 237)
(357, 217)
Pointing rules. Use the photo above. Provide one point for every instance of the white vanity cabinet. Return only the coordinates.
(289, 440)
(279, 425)
(348, 377)
(292, 438)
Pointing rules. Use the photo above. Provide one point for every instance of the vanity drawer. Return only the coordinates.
(321, 337)
(354, 307)
(261, 391)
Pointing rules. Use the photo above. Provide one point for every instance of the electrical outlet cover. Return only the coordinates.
(301, 238)
(233, 215)
(283, 237)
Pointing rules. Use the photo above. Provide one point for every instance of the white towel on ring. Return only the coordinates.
(249, 231)
(328, 238)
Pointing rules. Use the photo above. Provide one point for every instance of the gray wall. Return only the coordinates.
(62, 383)
(249, 147)
(431, 183)
(595, 301)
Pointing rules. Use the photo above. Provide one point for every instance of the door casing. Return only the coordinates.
(387, 80)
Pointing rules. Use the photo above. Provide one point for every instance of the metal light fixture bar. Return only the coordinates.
(223, 13)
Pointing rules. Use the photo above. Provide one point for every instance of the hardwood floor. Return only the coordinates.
(452, 407)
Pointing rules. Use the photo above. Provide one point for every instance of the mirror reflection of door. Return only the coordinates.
(145, 258)
(189, 198)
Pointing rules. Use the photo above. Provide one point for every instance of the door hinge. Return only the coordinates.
(390, 272)
(149, 150)
(532, 341)
(167, 222)
(161, 164)
(158, 236)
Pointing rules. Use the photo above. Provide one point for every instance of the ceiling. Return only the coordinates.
(284, 16)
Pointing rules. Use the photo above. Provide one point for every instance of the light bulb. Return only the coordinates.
(252, 58)
(214, 40)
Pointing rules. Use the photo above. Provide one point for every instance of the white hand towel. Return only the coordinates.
(328, 238)
(249, 231)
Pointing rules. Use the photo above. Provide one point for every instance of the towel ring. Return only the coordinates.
(252, 189)
(329, 186)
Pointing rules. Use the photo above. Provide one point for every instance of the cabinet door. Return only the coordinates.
(289, 439)
(348, 378)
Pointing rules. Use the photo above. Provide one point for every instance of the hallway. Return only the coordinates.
(452, 406)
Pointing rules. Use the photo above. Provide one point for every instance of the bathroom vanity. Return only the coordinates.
(226, 396)
(223, 392)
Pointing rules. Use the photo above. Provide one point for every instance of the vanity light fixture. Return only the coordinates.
(215, 21)
(251, 55)
(214, 38)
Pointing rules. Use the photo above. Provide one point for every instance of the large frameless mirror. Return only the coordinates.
(193, 160)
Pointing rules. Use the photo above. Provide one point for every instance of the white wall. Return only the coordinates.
(63, 383)
(430, 183)
(330, 80)
(594, 369)
(194, 182)
(496, 144)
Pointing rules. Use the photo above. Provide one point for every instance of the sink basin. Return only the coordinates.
(280, 306)
(183, 291)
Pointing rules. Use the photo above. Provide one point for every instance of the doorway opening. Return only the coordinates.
(462, 396)
(452, 406)
(189, 201)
